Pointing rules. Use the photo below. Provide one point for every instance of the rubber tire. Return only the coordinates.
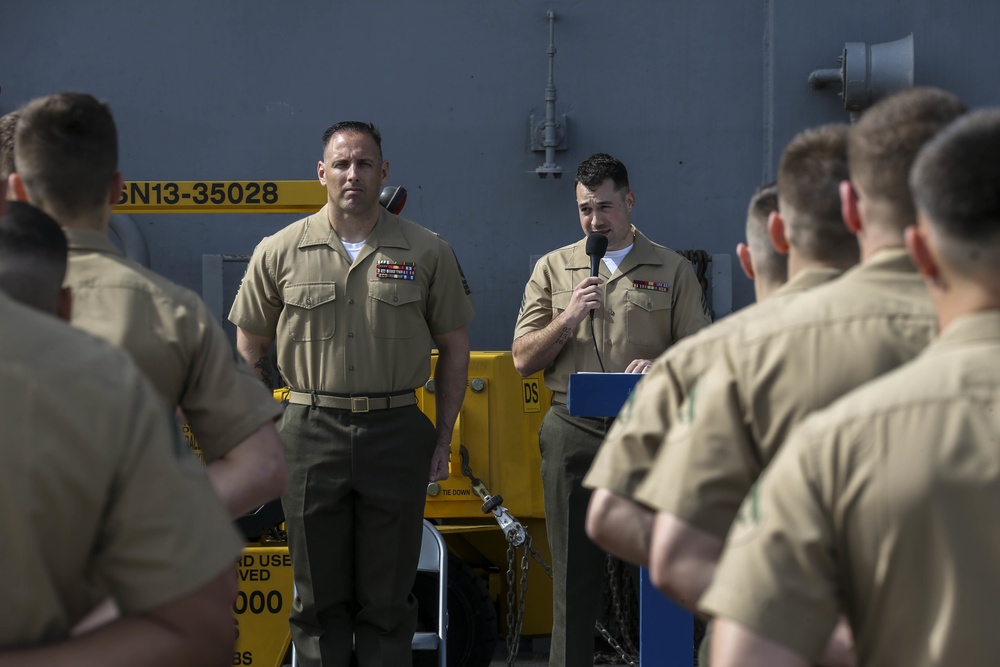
(472, 617)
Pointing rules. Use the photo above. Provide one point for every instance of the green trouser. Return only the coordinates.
(569, 445)
(353, 511)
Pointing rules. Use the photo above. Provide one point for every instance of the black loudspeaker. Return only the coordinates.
(869, 72)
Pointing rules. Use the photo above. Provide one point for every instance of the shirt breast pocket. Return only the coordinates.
(648, 318)
(310, 311)
(560, 301)
(395, 308)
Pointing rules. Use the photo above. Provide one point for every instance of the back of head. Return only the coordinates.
(597, 168)
(8, 123)
(812, 167)
(956, 185)
(66, 152)
(883, 145)
(769, 264)
(32, 257)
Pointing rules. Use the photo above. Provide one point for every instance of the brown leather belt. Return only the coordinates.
(352, 403)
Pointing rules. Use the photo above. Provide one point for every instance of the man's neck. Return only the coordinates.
(350, 228)
(97, 222)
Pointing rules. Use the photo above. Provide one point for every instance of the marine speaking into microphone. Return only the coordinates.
(648, 297)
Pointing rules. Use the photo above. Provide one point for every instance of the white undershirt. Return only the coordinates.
(353, 248)
(614, 257)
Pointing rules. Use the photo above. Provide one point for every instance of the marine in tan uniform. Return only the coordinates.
(885, 504)
(66, 151)
(355, 298)
(646, 301)
(874, 318)
(96, 484)
(615, 520)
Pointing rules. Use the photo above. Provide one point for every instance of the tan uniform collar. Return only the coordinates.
(982, 326)
(642, 253)
(90, 240)
(809, 278)
(896, 260)
(387, 232)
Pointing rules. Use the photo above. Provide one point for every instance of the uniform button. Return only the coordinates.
(611, 312)
(395, 299)
(351, 367)
(309, 302)
(350, 302)
(350, 334)
(609, 341)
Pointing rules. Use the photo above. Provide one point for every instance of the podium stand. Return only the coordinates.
(666, 630)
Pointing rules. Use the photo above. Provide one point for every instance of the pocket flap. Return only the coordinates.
(394, 292)
(310, 295)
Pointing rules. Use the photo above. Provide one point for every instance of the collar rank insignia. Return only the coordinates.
(650, 285)
(404, 271)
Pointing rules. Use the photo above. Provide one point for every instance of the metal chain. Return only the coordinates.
(513, 636)
(613, 572)
(516, 623)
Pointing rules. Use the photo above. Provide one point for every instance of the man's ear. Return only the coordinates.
(921, 252)
(115, 193)
(776, 231)
(849, 207)
(64, 309)
(746, 261)
(15, 188)
(321, 172)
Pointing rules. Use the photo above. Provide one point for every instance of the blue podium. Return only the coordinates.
(666, 630)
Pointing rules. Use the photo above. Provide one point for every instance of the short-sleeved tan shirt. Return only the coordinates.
(631, 445)
(96, 483)
(883, 506)
(651, 301)
(876, 317)
(353, 328)
(173, 338)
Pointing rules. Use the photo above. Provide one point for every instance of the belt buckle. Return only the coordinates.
(359, 404)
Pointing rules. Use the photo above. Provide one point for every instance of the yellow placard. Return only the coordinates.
(530, 389)
(262, 605)
(221, 197)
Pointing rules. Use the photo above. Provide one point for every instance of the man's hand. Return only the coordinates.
(587, 296)
(439, 462)
(639, 366)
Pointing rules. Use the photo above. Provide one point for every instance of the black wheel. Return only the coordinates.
(472, 618)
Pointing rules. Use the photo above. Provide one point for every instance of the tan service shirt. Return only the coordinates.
(95, 484)
(876, 317)
(365, 327)
(651, 301)
(631, 445)
(884, 506)
(174, 339)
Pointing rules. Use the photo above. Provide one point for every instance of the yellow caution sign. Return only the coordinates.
(532, 402)
(221, 197)
(262, 605)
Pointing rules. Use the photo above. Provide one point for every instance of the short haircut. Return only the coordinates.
(32, 256)
(769, 264)
(600, 166)
(8, 123)
(356, 127)
(812, 167)
(884, 143)
(956, 184)
(66, 151)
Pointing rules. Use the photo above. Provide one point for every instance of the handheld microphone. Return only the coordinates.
(597, 245)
